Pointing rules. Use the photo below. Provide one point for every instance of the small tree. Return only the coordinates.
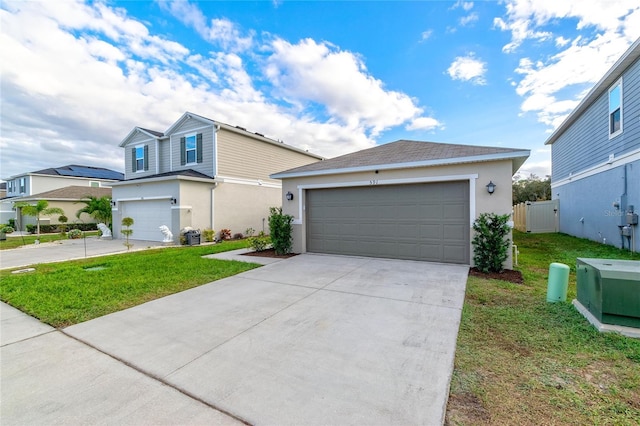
(281, 231)
(127, 221)
(63, 223)
(41, 208)
(97, 208)
(490, 246)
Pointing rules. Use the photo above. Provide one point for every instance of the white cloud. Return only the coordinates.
(553, 85)
(469, 19)
(468, 68)
(464, 5)
(337, 80)
(84, 75)
(426, 35)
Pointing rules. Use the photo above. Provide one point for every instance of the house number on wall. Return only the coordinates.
(373, 182)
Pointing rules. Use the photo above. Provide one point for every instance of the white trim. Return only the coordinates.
(600, 168)
(185, 116)
(618, 132)
(386, 182)
(170, 154)
(186, 132)
(157, 156)
(408, 165)
(180, 207)
(195, 154)
(154, 178)
(245, 181)
(161, 197)
(216, 129)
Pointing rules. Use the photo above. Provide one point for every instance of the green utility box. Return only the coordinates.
(610, 290)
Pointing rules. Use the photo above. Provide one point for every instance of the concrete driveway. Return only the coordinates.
(311, 340)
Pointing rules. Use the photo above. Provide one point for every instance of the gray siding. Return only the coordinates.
(586, 143)
(164, 153)
(189, 126)
(139, 139)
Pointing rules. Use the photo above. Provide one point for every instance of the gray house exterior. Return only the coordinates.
(595, 154)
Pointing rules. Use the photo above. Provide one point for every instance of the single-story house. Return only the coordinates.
(406, 199)
(201, 174)
(69, 199)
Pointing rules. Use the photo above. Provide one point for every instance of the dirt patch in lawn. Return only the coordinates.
(270, 253)
(466, 408)
(506, 275)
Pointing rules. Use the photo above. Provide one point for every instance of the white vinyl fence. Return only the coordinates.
(536, 217)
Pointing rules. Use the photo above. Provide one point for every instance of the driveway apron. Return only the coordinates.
(314, 339)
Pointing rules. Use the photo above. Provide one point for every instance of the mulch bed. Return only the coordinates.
(269, 253)
(506, 275)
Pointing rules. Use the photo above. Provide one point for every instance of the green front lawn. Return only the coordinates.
(17, 241)
(521, 360)
(62, 294)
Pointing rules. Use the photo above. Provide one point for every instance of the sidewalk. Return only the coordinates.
(62, 250)
(51, 378)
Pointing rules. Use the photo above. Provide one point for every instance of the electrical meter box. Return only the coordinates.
(632, 218)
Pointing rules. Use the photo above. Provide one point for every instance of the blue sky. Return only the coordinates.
(329, 76)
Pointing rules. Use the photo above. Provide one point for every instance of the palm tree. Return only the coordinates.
(98, 208)
(41, 208)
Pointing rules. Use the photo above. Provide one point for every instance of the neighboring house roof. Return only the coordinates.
(616, 71)
(237, 129)
(74, 170)
(189, 174)
(69, 193)
(407, 154)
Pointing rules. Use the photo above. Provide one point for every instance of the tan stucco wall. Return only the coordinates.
(70, 209)
(239, 206)
(500, 172)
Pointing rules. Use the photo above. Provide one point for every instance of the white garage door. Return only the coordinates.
(420, 221)
(147, 217)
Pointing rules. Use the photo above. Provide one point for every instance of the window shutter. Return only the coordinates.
(199, 147)
(146, 157)
(133, 159)
(183, 151)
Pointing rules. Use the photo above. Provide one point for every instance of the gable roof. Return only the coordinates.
(407, 154)
(616, 71)
(69, 193)
(78, 171)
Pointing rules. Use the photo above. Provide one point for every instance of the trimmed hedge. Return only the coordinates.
(51, 229)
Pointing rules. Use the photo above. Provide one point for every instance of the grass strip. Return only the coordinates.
(62, 294)
(18, 241)
(521, 360)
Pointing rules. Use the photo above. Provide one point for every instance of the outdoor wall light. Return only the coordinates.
(113, 203)
(174, 201)
(289, 196)
(491, 187)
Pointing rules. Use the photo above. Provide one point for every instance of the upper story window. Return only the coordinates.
(94, 184)
(140, 158)
(615, 109)
(191, 149)
(10, 186)
(23, 185)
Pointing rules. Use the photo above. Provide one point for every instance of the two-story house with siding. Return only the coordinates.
(595, 155)
(202, 174)
(36, 185)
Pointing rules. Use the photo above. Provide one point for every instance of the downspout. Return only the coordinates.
(623, 204)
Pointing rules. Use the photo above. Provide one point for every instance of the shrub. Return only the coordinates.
(12, 223)
(7, 229)
(259, 242)
(491, 248)
(74, 234)
(30, 228)
(281, 230)
(225, 234)
(249, 232)
(208, 235)
(238, 236)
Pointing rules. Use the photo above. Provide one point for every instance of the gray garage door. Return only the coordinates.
(420, 221)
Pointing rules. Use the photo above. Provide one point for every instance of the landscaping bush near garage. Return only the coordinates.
(50, 229)
(62, 294)
(521, 360)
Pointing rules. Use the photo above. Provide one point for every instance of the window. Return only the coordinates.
(191, 149)
(10, 187)
(94, 184)
(140, 158)
(23, 185)
(615, 109)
